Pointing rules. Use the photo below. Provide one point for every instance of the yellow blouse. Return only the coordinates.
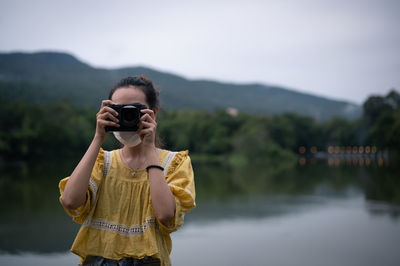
(118, 219)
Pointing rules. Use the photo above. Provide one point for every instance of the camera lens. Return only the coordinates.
(129, 116)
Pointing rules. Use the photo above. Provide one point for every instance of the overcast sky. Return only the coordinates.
(343, 49)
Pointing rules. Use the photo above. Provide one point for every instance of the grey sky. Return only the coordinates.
(340, 49)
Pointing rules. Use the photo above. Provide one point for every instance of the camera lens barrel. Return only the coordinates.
(130, 116)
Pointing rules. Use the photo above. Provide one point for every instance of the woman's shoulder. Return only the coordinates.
(173, 155)
(109, 154)
(172, 160)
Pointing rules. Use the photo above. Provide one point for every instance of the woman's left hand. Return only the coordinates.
(147, 128)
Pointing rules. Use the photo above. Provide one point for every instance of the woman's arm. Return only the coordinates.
(162, 199)
(74, 194)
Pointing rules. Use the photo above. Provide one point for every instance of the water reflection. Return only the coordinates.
(31, 217)
(32, 220)
(262, 192)
(338, 232)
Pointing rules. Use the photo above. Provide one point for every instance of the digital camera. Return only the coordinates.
(128, 115)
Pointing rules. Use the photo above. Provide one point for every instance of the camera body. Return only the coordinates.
(128, 115)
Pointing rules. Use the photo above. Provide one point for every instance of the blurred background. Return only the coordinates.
(290, 111)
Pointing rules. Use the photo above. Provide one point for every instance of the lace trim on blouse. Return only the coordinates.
(167, 161)
(121, 229)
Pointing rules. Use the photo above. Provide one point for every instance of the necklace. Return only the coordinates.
(134, 170)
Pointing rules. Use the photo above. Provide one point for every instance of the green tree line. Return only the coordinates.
(35, 131)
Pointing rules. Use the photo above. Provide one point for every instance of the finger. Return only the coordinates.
(147, 118)
(149, 112)
(106, 102)
(110, 111)
(146, 132)
(108, 116)
(104, 123)
(146, 124)
(142, 129)
(141, 134)
(107, 110)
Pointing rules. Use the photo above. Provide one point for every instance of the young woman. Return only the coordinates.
(128, 200)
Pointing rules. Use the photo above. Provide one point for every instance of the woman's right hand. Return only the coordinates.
(105, 117)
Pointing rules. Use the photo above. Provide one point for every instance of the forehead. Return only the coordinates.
(129, 95)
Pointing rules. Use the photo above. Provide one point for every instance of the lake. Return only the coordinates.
(305, 214)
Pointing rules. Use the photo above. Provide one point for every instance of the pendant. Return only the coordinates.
(134, 173)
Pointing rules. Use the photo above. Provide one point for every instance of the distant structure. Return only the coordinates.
(232, 111)
(349, 155)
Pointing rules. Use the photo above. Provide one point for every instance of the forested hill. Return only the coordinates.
(49, 76)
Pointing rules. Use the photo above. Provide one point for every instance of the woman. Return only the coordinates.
(128, 200)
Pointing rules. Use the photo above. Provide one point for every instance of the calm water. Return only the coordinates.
(257, 215)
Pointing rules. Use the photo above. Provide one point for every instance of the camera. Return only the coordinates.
(128, 115)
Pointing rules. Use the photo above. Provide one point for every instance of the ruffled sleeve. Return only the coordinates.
(180, 179)
(79, 215)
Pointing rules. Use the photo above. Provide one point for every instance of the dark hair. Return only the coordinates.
(142, 83)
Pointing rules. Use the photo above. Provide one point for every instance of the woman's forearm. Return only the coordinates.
(162, 199)
(75, 190)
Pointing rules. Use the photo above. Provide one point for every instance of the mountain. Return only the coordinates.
(49, 76)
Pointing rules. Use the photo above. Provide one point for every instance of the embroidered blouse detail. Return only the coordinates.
(120, 229)
(118, 219)
(94, 188)
(167, 161)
